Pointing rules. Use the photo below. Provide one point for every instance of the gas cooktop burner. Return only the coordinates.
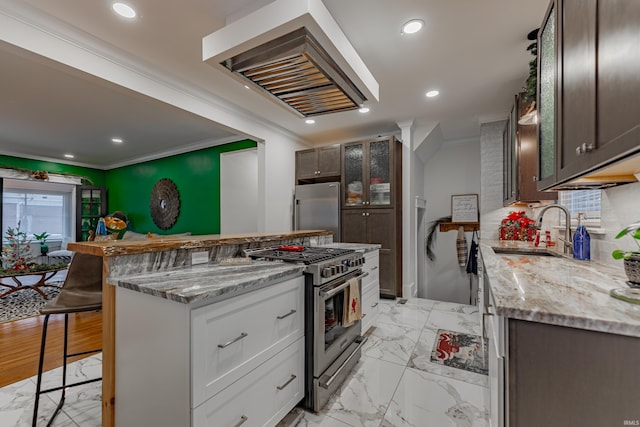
(307, 255)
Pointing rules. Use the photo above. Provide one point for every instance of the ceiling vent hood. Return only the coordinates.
(295, 52)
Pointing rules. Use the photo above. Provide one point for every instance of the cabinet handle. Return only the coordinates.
(286, 315)
(584, 148)
(535, 178)
(364, 214)
(281, 387)
(374, 305)
(227, 344)
(374, 268)
(367, 213)
(243, 419)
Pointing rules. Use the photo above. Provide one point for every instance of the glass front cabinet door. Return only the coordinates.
(368, 173)
(91, 206)
(547, 48)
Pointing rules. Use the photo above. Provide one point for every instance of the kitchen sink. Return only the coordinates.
(525, 251)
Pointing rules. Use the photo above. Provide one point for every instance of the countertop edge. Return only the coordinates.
(109, 248)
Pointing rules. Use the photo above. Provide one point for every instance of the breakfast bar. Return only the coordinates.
(125, 260)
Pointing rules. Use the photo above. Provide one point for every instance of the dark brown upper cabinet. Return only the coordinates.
(318, 164)
(596, 91)
(521, 158)
(370, 173)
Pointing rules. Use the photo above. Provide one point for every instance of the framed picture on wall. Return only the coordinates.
(464, 208)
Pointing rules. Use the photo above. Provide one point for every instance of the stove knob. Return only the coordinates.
(342, 268)
(326, 272)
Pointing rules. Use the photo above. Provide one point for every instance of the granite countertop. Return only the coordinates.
(160, 243)
(208, 282)
(558, 290)
(358, 247)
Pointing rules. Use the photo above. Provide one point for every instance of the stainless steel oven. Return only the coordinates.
(331, 348)
(336, 347)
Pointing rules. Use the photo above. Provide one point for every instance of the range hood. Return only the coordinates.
(294, 52)
(297, 71)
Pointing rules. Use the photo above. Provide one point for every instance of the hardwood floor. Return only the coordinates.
(20, 343)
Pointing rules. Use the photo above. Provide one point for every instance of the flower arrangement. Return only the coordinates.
(17, 254)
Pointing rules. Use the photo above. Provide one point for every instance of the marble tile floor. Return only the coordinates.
(394, 384)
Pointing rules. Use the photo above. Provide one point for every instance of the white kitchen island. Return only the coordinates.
(210, 345)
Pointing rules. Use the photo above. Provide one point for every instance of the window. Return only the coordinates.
(39, 206)
(586, 201)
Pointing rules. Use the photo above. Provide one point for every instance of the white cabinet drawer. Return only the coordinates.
(232, 337)
(370, 301)
(262, 397)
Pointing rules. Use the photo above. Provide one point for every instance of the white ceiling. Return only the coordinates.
(472, 51)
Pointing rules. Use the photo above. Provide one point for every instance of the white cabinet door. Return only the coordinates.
(497, 386)
(232, 337)
(262, 397)
(370, 301)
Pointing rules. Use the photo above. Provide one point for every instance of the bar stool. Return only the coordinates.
(81, 291)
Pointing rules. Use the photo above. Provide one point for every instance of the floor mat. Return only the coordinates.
(460, 350)
(24, 303)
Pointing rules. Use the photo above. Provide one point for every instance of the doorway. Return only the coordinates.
(239, 191)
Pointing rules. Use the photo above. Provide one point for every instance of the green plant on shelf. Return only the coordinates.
(632, 230)
(42, 238)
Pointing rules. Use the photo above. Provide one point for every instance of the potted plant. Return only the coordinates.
(42, 238)
(631, 257)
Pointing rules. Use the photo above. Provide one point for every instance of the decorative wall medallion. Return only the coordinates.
(165, 203)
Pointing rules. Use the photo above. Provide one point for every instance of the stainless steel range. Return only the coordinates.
(332, 349)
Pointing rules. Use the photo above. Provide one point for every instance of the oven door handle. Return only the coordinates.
(339, 288)
(326, 384)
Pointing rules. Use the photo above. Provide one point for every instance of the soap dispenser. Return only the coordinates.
(581, 241)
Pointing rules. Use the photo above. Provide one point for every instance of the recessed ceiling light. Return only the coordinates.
(117, 140)
(432, 93)
(413, 26)
(364, 110)
(309, 121)
(124, 10)
(69, 156)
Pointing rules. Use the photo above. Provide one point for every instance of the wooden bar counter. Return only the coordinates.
(128, 257)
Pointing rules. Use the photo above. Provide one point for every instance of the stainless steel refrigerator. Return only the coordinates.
(317, 207)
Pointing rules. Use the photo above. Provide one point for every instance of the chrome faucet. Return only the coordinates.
(568, 244)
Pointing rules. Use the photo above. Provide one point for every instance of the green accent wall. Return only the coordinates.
(197, 176)
(96, 176)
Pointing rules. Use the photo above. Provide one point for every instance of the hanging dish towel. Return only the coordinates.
(352, 308)
(461, 247)
(472, 264)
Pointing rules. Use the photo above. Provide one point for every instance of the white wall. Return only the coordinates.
(454, 169)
